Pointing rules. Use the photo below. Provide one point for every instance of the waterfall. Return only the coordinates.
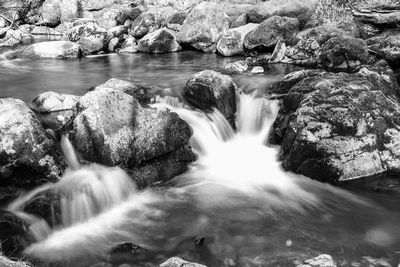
(236, 172)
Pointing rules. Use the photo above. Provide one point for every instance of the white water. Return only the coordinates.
(101, 206)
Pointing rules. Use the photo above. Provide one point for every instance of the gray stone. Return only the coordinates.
(231, 42)
(159, 41)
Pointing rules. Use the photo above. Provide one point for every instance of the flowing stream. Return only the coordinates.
(234, 207)
(235, 196)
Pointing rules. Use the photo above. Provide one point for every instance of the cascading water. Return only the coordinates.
(235, 194)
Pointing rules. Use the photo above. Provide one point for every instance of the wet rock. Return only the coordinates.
(145, 23)
(178, 262)
(270, 31)
(159, 41)
(13, 38)
(279, 52)
(126, 252)
(129, 49)
(111, 127)
(14, 234)
(203, 26)
(142, 93)
(89, 35)
(323, 260)
(291, 79)
(258, 60)
(128, 42)
(9, 263)
(374, 262)
(235, 67)
(27, 155)
(343, 53)
(387, 46)
(52, 49)
(210, 89)
(300, 9)
(339, 127)
(231, 42)
(257, 69)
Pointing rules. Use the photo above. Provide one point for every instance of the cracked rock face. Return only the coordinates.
(338, 127)
(27, 156)
(111, 127)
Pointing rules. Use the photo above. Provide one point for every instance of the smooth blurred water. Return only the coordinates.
(25, 79)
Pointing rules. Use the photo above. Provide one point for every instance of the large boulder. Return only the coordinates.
(54, 12)
(27, 156)
(270, 31)
(339, 127)
(89, 35)
(300, 9)
(111, 127)
(52, 49)
(387, 46)
(203, 26)
(343, 53)
(210, 89)
(231, 42)
(159, 41)
(145, 23)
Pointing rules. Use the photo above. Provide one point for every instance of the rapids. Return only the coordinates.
(235, 195)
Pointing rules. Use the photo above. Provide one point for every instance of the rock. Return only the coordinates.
(69, 9)
(387, 46)
(13, 38)
(235, 67)
(117, 31)
(44, 30)
(231, 42)
(51, 13)
(93, 5)
(381, 14)
(291, 79)
(159, 41)
(323, 260)
(145, 23)
(368, 30)
(210, 89)
(270, 31)
(142, 93)
(27, 156)
(14, 236)
(9, 263)
(178, 262)
(300, 9)
(111, 128)
(343, 53)
(113, 44)
(279, 52)
(49, 50)
(126, 252)
(203, 26)
(129, 41)
(89, 35)
(373, 262)
(239, 21)
(258, 60)
(340, 127)
(129, 50)
(257, 69)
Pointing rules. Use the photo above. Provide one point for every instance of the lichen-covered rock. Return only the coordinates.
(52, 49)
(323, 260)
(210, 89)
(178, 262)
(27, 156)
(301, 9)
(159, 41)
(231, 42)
(111, 127)
(203, 26)
(387, 46)
(339, 127)
(89, 35)
(343, 53)
(270, 31)
(145, 23)
(142, 93)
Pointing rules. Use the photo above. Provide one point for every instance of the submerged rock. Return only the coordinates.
(89, 35)
(159, 41)
(270, 31)
(203, 26)
(49, 50)
(343, 53)
(178, 262)
(27, 156)
(111, 127)
(210, 89)
(126, 252)
(231, 42)
(339, 127)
